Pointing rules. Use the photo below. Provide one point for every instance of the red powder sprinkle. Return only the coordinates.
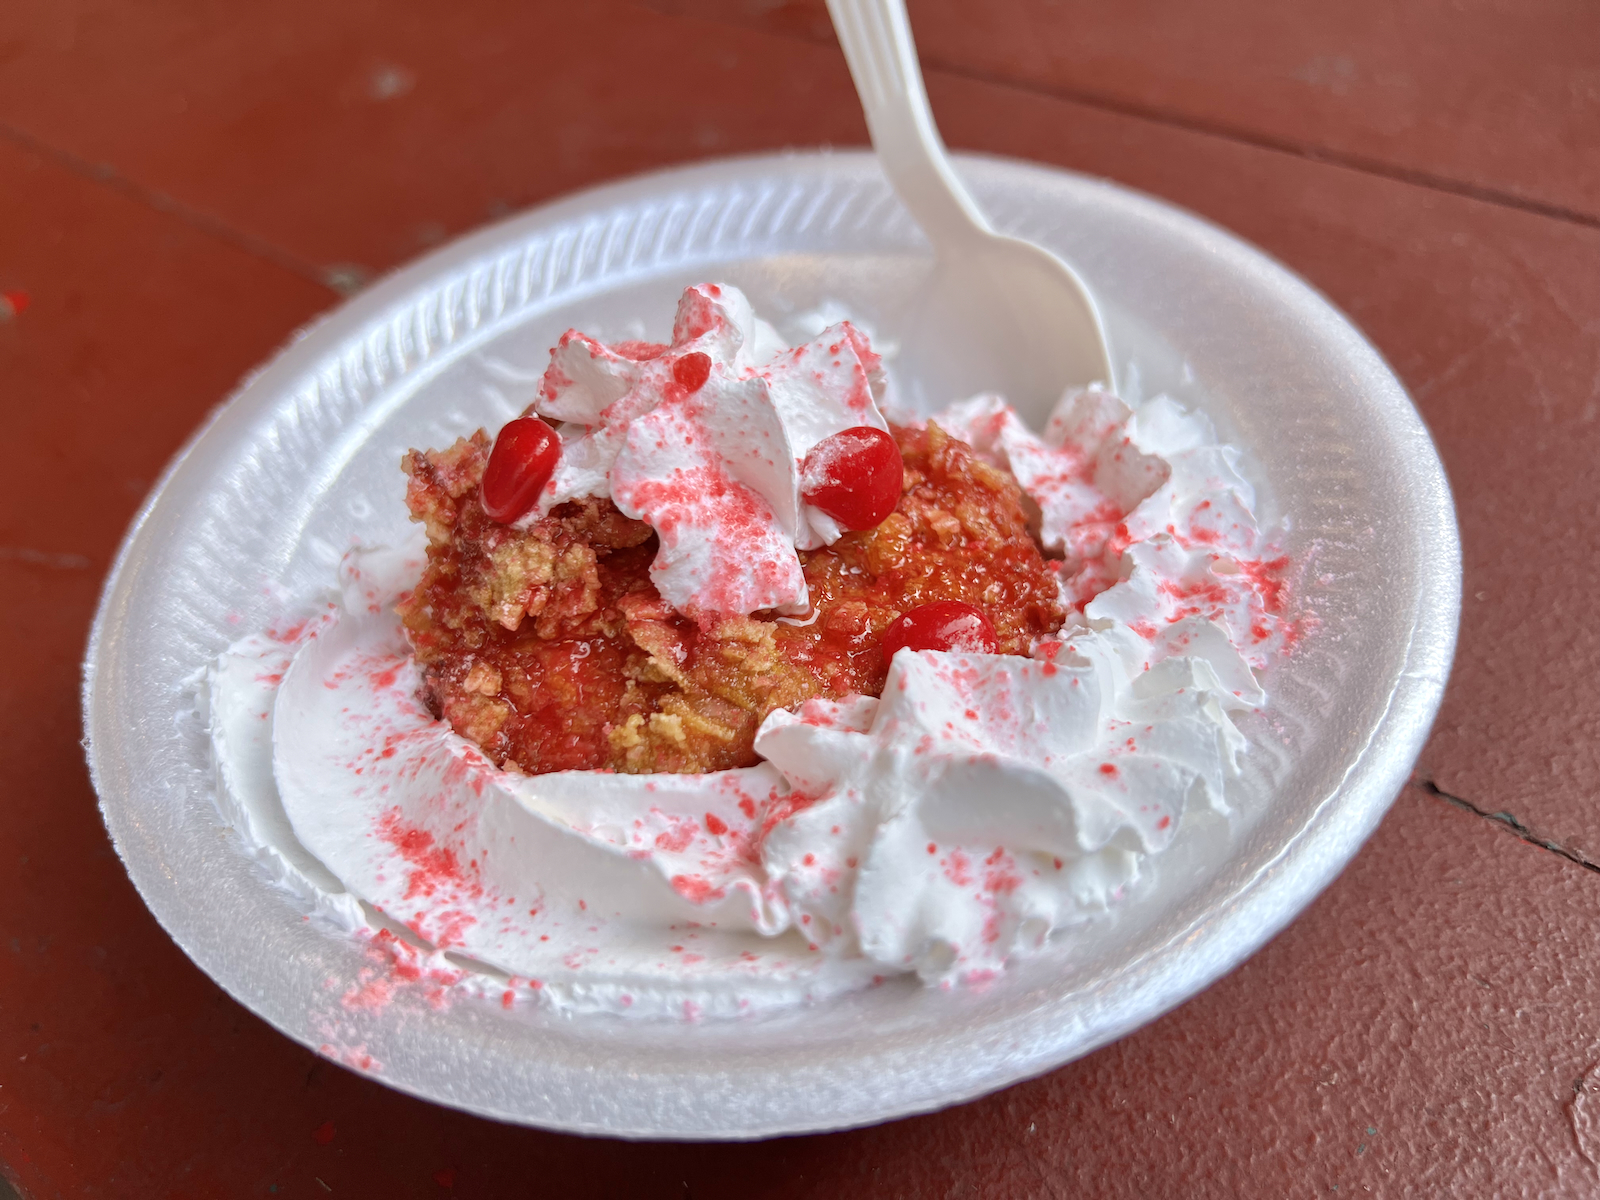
(507, 998)
(1108, 769)
(932, 848)
(955, 869)
(696, 888)
(445, 1178)
(716, 825)
(434, 868)
(634, 349)
(1164, 822)
(677, 839)
(323, 1134)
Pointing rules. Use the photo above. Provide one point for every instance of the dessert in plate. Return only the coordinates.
(713, 688)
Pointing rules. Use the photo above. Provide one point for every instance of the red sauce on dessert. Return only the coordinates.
(550, 648)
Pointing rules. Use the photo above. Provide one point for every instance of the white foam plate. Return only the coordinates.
(253, 515)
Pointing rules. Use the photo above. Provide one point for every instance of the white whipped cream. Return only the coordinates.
(1147, 500)
(716, 471)
(985, 802)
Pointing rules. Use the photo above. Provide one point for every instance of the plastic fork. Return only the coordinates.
(998, 314)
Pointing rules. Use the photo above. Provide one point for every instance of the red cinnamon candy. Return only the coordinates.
(524, 457)
(941, 625)
(692, 370)
(855, 476)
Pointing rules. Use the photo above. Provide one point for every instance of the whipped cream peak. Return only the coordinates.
(714, 469)
(986, 800)
(1154, 519)
(711, 472)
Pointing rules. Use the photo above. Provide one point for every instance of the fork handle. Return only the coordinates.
(876, 36)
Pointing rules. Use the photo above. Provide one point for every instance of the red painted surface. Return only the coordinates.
(1473, 94)
(1430, 1026)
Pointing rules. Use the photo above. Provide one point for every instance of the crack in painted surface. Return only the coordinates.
(1583, 1114)
(44, 558)
(342, 278)
(1532, 837)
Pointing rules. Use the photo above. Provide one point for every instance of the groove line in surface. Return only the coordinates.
(1223, 130)
(339, 280)
(1515, 826)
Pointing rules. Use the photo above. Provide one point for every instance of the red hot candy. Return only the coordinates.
(523, 459)
(942, 625)
(855, 476)
(692, 370)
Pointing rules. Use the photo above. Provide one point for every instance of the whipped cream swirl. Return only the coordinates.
(981, 804)
(714, 469)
